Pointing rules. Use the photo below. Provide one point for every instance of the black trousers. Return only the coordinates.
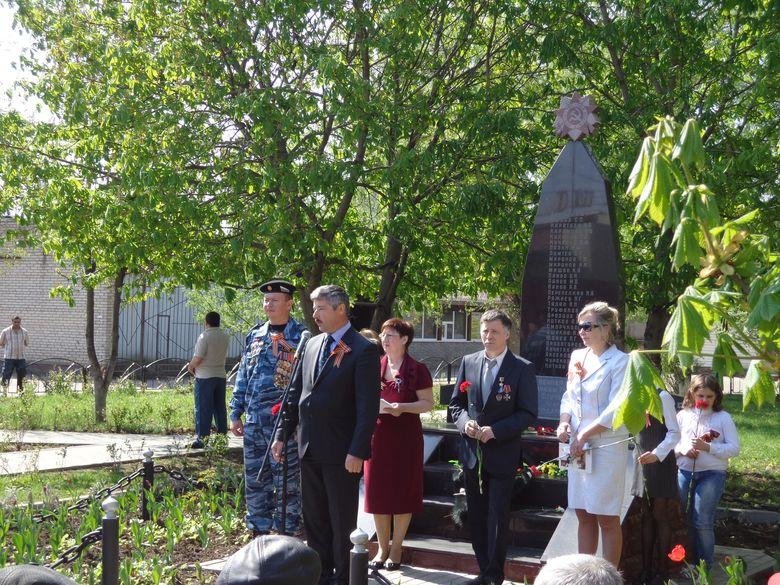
(488, 519)
(329, 494)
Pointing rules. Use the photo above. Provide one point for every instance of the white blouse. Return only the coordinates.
(722, 447)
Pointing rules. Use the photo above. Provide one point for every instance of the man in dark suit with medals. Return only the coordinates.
(335, 406)
(494, 399)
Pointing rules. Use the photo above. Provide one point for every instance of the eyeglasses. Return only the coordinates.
(587, 326)
(383, 335)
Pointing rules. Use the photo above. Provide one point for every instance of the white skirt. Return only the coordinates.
(601, 491)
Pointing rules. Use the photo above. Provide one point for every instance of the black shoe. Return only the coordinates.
(474, 581)
(391, 566)
(197, 444)
(376, 565)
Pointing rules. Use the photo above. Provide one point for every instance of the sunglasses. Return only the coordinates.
(587, 326)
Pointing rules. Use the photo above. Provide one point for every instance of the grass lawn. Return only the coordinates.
(128, 410)
(754, 476)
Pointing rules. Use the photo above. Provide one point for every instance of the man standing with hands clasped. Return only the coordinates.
(334, 409)
(14, 340)
(494, 399)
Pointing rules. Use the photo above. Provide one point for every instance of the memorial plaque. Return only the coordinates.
(573, 259)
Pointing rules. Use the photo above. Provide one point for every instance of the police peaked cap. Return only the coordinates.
(277, 285)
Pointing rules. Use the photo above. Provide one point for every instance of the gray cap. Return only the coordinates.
(32, 575)
(272, 560)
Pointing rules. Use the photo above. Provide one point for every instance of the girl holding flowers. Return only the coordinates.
(708, 440)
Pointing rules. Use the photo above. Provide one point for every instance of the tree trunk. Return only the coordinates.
(657, 318)
(101, 375)
(393, 271)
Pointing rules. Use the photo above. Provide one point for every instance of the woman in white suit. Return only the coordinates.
(594, 378)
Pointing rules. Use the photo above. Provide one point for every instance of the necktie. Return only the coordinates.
(324, 355)
(487, 379)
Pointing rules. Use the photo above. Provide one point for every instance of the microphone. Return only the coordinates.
(305, 337)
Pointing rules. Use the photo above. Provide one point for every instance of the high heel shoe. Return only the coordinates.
(376, 565)
(391, 566)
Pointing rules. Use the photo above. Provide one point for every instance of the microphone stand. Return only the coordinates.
(283, 417)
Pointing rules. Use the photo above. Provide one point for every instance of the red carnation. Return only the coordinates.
(535, 471)
(677, 554)
(276, 408)
(464, 386)
(700, 404)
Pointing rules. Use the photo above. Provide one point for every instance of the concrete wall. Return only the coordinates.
(56, 330)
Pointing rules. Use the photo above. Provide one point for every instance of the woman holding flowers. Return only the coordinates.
(595, 374)
(394, 474)
(708, 440)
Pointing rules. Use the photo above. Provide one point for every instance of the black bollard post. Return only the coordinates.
(147, 483)
(110, 542)
(358, 558)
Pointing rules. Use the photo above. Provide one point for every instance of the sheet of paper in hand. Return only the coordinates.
(585, 462)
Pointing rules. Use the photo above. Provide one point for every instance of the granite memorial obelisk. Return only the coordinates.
(573, 257)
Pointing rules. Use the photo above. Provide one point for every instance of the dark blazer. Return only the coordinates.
(335, 413)
(508, 417)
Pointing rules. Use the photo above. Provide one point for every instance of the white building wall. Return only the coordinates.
(56, 330)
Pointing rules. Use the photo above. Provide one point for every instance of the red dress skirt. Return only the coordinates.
(394, 474)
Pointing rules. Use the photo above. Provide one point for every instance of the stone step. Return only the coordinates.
(527, 526)
(457, 555)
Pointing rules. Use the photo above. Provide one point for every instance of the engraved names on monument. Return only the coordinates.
(572, 259)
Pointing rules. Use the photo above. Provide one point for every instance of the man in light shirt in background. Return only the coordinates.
(208, 367)
(14, 340)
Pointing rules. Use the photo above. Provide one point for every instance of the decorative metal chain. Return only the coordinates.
(84, 503)
(75, 551)
(178, 476)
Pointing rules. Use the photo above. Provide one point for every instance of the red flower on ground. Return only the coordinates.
(700, 404)
(276, 408)
(678, 553)
(464, 386)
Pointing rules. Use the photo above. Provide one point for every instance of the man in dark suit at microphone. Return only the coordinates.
(266, 366)
(334, 409)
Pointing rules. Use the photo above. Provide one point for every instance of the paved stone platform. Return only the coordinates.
(80, 450)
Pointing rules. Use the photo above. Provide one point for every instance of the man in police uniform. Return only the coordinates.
(264, 373)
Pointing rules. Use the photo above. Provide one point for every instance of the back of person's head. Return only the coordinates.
(32, 575)
(212, 319)
(272, 560)
(578, 570)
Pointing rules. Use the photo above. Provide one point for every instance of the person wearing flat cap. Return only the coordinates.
(272, 560)
(264, 373)
(32, 575)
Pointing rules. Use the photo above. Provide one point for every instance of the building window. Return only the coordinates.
(425, 328)
(475, 317)
(456, 324)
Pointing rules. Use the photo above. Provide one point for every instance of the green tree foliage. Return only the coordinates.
(330, 142)
(715, 61)
(738, 271)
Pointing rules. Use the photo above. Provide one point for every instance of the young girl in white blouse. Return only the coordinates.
(708, 439)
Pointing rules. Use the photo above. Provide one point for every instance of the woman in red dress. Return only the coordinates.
(394, 474)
